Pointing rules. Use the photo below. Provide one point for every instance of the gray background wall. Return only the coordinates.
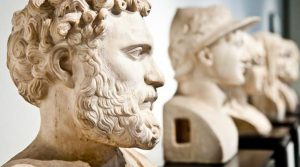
(294, 29)
(19, 121)
(294, 18)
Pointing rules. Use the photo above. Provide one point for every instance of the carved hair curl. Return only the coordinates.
(45, 25)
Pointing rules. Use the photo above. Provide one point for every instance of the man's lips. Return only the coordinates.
(148, 102)
(146, 105)
(151, 98)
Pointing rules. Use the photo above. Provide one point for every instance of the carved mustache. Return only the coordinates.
(149, 95)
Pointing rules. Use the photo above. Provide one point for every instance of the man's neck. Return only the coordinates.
(237, 93)
(203, 88)
(60, 138)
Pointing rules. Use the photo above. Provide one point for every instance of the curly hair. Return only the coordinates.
(49, 27)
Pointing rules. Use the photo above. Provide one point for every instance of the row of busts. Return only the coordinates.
(230, 83)
(87, 65)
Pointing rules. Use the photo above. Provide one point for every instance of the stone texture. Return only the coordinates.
(88, 66)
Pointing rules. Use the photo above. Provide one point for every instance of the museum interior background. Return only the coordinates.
(19, 121)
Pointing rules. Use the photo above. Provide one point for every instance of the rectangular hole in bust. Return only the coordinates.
(182, 130)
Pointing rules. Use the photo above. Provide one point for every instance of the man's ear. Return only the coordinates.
(205, 57)
(61, 65)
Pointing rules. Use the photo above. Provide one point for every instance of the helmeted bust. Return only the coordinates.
(207, 53)
(87, 65)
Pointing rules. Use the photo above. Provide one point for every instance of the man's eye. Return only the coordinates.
(136, 53)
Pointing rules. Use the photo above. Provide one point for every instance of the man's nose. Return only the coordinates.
(153, 76)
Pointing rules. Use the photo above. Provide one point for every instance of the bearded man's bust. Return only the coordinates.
(87, 65)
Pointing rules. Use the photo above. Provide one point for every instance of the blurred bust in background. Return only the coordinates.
(249, 120)
(283, 69)
(208, 53)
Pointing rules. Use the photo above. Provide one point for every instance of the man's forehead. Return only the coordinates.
(128, 28)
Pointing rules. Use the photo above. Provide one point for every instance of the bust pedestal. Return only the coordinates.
(278, 141)
(244, 158)
(293, 124)
(194, 132)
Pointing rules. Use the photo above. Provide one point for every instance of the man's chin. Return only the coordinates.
(150, 142)
(137, 144)
(155, 137)
(148, 146)
(129, 141)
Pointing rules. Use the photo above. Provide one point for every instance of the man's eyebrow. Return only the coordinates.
(145, 47)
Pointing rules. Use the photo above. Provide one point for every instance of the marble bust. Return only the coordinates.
(249, 119)
(87, 65)
(283, 69)
(207, 54)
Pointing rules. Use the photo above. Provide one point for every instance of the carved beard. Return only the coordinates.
(110, 114)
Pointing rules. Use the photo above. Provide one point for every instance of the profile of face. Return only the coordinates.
(256, 74)
(230, 57)
(115, 103)
(287, 61)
